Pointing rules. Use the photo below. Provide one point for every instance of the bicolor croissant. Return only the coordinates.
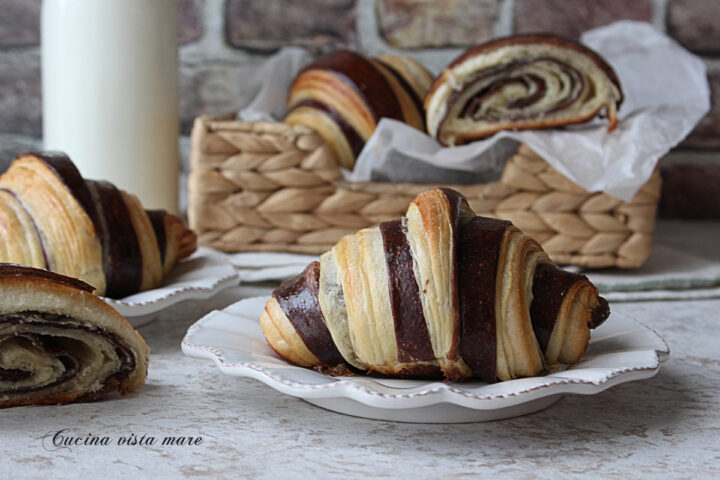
(517, 83)
(59, 343)
(52, 218)
(343, 95)
(440, 292)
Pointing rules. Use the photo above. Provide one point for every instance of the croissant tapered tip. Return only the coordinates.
(599, 313)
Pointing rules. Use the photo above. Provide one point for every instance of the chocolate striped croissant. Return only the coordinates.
(517, 83)
(440, 292)
(343, 95)
(59, 343)
(52, 218)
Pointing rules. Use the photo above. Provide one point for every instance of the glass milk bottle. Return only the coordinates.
(110, 92)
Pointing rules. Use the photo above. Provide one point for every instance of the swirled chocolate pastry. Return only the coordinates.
(518, 83)
(59, 343)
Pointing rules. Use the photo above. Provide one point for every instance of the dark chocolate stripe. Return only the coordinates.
(14, 374)
(157, 219)
(351, 135)
(478, 257)
(362, 76)
(298, 298)
(122, 258)
(10, 269)
(34, 224)
(411, 332)
(417, 101)
(68, 173)
(457, 203)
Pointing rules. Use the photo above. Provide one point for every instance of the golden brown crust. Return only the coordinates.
(66, 231)
(48, 223)
(361, 298)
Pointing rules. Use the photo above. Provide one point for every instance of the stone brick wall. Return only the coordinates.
(223, 41)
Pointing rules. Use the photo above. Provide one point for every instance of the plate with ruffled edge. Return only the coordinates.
(621, 350)
(197, 277)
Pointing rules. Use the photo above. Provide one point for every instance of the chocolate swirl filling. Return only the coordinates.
(42, 333)
(529, 76)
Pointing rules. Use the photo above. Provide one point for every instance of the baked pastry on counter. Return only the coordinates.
(343, 95)
(52, 218)
(59, 343)
(438, 293)
(517, 83)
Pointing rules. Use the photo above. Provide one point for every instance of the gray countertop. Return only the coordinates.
(665, 427)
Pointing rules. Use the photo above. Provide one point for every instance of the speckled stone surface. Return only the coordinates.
(666, 427)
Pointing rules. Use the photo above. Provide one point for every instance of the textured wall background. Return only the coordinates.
(223, 41)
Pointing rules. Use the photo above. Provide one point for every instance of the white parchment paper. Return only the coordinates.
(666, 94)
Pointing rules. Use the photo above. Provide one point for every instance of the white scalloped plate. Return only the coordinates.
(621, 350)
(197, 277)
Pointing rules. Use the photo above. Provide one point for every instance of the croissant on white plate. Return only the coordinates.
(52, 218)
(520, 82)
(438, 293)
(59, 343)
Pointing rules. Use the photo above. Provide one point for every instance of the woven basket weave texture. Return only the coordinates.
(270, 186)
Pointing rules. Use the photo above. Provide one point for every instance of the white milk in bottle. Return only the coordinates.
(110, 92)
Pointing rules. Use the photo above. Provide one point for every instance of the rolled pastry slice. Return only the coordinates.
(438, 293)
(343, 95)
(59, 343)
(55, 219)
(517, 83)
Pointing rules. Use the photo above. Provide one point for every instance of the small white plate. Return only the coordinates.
(620, 351)
(197, 277)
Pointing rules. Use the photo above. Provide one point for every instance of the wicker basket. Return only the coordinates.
(275, 187)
